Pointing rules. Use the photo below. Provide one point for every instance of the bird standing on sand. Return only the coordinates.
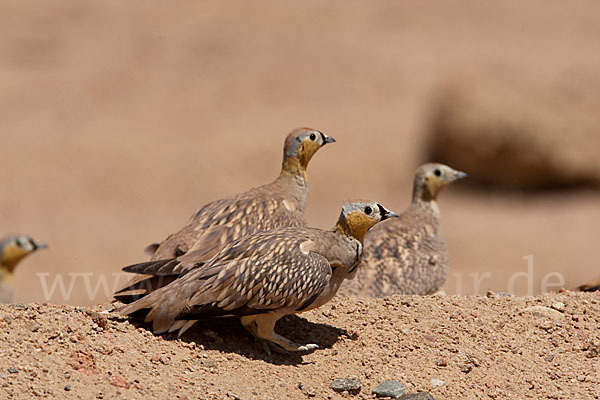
(278, 204)
(12, 250)
(407, 255)
(262, 277)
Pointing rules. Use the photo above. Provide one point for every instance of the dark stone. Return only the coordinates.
(416, 396)
(351, 386)
(391, 388)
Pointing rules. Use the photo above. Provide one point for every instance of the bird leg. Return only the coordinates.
(263, 328)
(249, 323)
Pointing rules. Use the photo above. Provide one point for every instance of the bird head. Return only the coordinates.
(300, 145)
(358, 216)
(431, 178)
(14, 248)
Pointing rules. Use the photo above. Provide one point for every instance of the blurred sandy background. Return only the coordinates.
(119, 119)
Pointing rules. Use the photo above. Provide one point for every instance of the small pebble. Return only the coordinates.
(68, 388)
(13, 370)
(558, 306)
(465, 368)
(437, 382)
(416, 396)
(351, 386)
(390, 388)
(544, 312)
(99, 319)
(164, 360)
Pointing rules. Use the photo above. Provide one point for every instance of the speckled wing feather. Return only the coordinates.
(215, 225)
(223, 221)
(400, 256)
(254, 274)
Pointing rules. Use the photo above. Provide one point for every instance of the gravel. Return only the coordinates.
(363, 341)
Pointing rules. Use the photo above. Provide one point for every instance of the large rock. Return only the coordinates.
(507, 133)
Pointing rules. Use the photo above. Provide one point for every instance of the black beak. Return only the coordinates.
(326, 139)
(385, 213)
(38, 245)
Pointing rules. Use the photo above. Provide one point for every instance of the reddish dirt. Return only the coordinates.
(480, 347)
(120, 119)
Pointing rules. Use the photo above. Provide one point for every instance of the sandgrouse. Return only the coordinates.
(591, 286)
(278, 204)
(263, 277)
(407, 255)
(12, 250)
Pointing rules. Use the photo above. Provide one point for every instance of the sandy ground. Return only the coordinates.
(119, 119)
(456, 347)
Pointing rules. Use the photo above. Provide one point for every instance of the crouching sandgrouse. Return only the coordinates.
(262, 277)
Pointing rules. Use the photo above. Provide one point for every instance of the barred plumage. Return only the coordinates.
(264, 276)
(278, 204)
(406, 255)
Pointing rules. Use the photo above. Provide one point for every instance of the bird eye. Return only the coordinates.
(19, 242)
(368, 210)
(313, 137)
(437, 172)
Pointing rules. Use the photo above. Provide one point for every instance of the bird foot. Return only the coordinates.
(308, 347)
(291, 348)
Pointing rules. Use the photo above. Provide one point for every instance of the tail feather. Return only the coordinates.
(162, 306)
(166, 267)
(143, 287)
